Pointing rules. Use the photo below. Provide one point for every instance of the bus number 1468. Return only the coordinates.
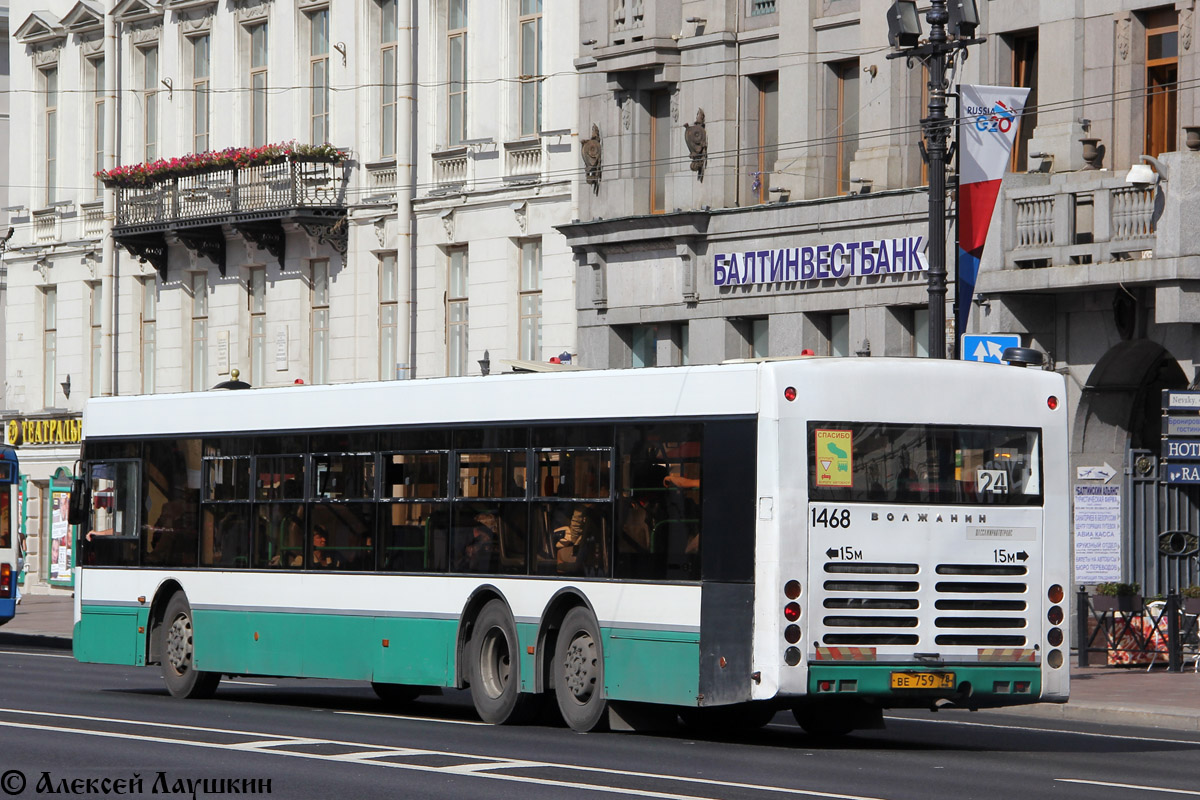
(831, 518)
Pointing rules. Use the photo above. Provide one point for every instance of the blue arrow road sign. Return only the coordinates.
(988, 347)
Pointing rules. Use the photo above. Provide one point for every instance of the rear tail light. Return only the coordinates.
(6, 584)
(1055, 594)
(791, 612)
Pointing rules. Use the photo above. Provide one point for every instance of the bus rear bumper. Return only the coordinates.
(952, 686)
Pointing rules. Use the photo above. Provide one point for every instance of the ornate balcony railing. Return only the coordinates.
(253, 200)
(295, 184)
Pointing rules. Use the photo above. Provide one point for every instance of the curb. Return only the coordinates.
(1114, 714)
(45, 641)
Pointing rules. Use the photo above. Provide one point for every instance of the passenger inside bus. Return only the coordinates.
(476, 552)
(321, 557)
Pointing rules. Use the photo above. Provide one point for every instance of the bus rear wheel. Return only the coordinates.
(579, 672)
(837, 719)
(178, 653)
(494, 668)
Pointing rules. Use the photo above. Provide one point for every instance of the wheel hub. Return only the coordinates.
(495, 664)
(179, 644)
(579, 667)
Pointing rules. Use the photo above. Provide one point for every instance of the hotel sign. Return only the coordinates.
(46, 431)
(820, 262)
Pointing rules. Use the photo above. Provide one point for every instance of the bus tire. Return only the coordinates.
(579, 672)
(494, 668)
(178, 653)
(396, 694)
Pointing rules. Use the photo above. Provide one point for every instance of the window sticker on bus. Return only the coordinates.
(991, 481)
(835, 460)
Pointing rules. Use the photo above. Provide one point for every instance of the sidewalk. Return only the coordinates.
(1125, 695)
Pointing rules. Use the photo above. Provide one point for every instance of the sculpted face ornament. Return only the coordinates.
(591, 150)
(697, 142)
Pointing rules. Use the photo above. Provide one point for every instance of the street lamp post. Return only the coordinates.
(904, 33)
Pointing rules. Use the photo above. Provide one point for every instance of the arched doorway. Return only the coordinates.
(1121, 405)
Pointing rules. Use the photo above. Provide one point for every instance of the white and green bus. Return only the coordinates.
(830, 536)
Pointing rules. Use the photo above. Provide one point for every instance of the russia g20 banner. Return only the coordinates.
(988, 123)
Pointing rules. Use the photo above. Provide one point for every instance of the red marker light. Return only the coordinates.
(792, 612)
(1052, 402)
(789, 393)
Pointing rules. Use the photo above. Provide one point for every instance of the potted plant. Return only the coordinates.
(1117, 597)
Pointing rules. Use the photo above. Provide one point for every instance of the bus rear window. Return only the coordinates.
(870, 462)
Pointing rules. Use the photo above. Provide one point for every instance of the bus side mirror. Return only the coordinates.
(77, 507)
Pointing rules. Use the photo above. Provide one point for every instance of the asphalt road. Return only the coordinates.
(63, 724)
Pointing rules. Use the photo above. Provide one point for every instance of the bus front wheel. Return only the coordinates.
(178, 653)
(579, 672)
(494, 667)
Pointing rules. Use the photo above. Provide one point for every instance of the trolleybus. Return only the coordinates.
(829, 536)
(10, 545)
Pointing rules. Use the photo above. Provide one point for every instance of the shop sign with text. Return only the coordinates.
(820, 262)
(52, 430)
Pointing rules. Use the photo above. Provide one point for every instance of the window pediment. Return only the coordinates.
(136, 11)
(84, 17)
(40, 26)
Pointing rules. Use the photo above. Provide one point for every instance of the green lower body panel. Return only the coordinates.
(651, 666)
(639, 665)
(111, 635)
(970, 686)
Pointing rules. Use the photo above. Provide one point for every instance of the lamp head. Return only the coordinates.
(904, 24)
(964, 18)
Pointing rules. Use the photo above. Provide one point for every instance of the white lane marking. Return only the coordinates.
(414, 719)
(1134, 786)
(35, 655)
(1043, 730)
(246, 683)
(491, 762)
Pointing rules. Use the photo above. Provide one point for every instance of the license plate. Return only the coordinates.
(922, 680)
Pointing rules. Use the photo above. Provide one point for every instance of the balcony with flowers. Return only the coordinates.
(252, 190)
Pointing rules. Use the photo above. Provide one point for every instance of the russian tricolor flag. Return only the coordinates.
(989, 117)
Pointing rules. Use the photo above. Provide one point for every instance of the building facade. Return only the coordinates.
(744, 145)
(375, 175)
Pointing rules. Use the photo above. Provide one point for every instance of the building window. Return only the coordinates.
(1024, 73)
(149, 333)
(258, 85)
(201, 64)
(199, 282)
(660, 149)
(457, 314)
(531, 300)
(765, 127)
(530, 24)
(149, 103)
(387, 79)
(320, 321)
(257, 291)
(644, 346)
(456, 88)
(49, 344)
(95, 71)
(920, 332)
(96, 318)
(759, 8)
(389, 313)
(50, 129)
(1162, 76)
(845, 132)
(839, 335)
(759, 338)
(318, 75)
